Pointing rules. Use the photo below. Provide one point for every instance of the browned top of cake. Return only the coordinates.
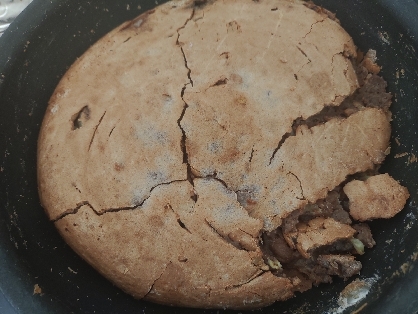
(183, 137)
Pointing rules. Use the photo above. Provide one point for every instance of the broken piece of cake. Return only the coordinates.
(220, 154)
(379, 196)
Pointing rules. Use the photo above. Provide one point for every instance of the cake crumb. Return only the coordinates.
(353, 293)
(412, 159)
(379, 196)
(71, 270)
(384, 36)
(37, 289)
(401, 155)
(369, 62)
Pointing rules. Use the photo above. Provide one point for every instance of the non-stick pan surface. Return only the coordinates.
(36, 51)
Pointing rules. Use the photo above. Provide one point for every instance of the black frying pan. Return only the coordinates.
(36, 51)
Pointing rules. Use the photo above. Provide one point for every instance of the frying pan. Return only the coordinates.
(46, 39)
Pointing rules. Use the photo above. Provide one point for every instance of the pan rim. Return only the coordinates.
(32, 17)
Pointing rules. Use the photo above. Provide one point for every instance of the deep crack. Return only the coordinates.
(284, 138)
(183, 137)
(118, 209)
(111, 210)
(73, 210)
(178, 43)
(160, 184)
(353, 103)
(188, 69)
(183, 147)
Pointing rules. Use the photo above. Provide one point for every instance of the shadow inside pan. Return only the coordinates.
(37, 50)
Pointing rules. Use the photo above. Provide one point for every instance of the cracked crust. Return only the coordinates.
(310, 78)
(199, 260)
(188, 133)
(315, 161)
(116, 138)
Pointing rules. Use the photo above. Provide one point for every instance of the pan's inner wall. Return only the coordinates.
(43, 43)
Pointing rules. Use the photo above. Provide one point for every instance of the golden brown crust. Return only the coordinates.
(166, 149)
